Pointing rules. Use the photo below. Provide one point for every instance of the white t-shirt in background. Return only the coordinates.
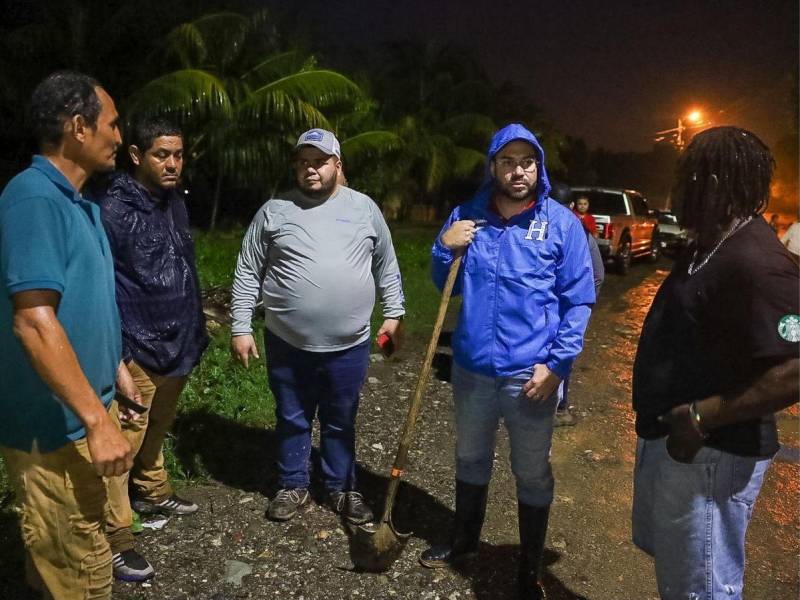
(791, 239)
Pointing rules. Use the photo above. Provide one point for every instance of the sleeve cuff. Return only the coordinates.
(561, 368)
(442, 251)
(35, 284)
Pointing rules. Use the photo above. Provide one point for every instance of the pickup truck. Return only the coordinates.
(626, 226)
(671, 236)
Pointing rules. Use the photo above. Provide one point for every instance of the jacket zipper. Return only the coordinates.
(496, 284)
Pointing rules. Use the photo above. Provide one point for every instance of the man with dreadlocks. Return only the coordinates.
(717, 357)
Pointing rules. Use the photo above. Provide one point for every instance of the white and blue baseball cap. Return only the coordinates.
(322, 139)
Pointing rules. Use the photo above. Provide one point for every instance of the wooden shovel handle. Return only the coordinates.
(416, 402)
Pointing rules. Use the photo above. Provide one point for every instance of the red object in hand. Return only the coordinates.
(386, 344)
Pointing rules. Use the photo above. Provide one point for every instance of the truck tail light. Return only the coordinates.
(609, 231)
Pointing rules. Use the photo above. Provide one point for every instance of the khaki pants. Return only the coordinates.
(62, 502)
(146, 436)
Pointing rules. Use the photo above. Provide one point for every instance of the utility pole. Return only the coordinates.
(695, 121)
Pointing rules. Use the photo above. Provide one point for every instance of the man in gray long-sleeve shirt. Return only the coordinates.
(316, 255)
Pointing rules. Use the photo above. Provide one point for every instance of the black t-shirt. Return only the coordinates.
(713, 332)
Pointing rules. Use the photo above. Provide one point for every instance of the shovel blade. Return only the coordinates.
(374, 549)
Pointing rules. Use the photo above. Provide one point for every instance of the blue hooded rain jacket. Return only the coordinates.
(527, 284)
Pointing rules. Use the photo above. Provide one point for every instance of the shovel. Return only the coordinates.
(375, 546)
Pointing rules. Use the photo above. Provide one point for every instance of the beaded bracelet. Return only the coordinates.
(697, 423)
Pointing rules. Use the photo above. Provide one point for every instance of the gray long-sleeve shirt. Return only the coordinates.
(316, 264)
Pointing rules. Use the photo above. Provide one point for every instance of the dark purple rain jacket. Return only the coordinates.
(158, 293)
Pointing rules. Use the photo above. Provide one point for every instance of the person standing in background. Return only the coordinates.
(565, 415)
(581, 210)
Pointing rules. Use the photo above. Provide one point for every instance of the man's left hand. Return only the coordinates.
(126, 386)
(542, 385)
(683, 441)
(394, 329)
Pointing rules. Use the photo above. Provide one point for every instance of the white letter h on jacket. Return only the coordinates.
(540, 230)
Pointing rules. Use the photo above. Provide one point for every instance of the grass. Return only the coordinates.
(241, 396)
(216, 254)
(413, 247)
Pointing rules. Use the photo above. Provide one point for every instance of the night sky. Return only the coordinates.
(612, 72)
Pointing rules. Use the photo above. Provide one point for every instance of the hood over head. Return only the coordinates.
(513, 132)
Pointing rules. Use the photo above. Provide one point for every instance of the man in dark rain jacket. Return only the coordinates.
(163, 327)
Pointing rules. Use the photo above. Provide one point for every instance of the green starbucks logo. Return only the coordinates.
(789, 328)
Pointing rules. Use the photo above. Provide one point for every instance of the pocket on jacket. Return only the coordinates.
(522, 262)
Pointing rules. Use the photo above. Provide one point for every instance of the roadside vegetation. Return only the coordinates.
(414, 118)
(225, 389)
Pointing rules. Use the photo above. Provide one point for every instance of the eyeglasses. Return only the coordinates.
(316, 164)
(509, 164)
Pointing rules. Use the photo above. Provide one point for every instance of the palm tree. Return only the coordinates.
(446, 109)
(436, 98)
(241, 100)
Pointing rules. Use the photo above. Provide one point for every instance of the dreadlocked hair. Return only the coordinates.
(725, 173)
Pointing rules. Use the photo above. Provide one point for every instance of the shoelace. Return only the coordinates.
(290, 495)
(339, 500)
(356, 499)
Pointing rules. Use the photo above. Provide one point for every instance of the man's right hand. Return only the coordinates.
(110, 451)
(684, 440)
(459, 235)
(243, 347)
(38, 329)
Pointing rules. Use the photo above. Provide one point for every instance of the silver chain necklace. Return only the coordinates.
(694, 269)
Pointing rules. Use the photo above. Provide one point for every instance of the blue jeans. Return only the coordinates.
(325, 384)
(480, 402)
(692, 518)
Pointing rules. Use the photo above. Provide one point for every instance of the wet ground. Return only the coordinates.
(589, 553)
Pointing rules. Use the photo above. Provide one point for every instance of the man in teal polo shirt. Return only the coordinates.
(60, 345)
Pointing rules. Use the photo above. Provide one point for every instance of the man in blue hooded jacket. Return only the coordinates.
(527, 288)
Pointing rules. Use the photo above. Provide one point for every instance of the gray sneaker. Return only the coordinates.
(131, 566)
(172, 506)
(286, 503)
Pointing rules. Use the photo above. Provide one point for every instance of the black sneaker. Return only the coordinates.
(285, 504)
(172, 506)
(351, 506)
(131, 566)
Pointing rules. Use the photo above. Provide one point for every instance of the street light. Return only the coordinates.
(693, 120)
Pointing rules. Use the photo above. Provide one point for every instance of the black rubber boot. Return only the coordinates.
(470, 511)
(532, 533)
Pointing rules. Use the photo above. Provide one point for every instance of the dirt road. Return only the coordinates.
(229, 551)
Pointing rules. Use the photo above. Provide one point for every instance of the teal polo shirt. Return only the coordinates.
(53, 239)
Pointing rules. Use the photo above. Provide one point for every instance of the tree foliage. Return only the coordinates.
(241, 98)
(414, 120)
